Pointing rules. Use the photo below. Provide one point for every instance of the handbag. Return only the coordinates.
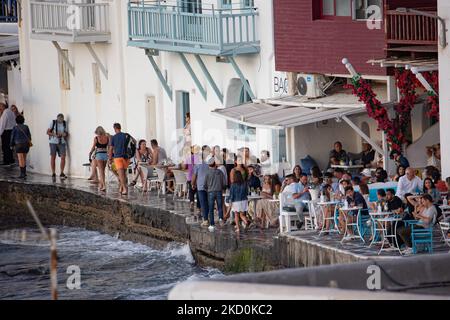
(30, 144)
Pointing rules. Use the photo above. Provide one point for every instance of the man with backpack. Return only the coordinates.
(57, 133)
(122, 149)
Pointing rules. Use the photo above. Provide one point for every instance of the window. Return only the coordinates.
(248, 3)
(64, 71)
(336, 8)
(191, 6)
(225, 4)
(237, 95)
(364, 9)
(356, 9)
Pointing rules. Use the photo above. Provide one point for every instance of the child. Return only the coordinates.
(215, 183)
(238, 199)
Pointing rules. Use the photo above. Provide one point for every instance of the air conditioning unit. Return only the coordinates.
(310, 85)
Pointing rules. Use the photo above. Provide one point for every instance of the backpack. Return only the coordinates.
(130, 146)
(55, 127)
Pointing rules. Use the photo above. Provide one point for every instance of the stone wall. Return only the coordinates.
(156, 227)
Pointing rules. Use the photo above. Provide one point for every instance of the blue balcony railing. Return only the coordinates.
(8, 11)
(219, 32)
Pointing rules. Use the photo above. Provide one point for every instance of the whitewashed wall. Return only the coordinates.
(444, 93)
(123, 98)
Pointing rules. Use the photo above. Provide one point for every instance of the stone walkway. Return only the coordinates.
(135, 196)
(181, 207)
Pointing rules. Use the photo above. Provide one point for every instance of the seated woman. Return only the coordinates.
(430, 188)
(297, 172)
(401, 171)
(328, 210)
(267, 211)
(143, 157)
(425, 213)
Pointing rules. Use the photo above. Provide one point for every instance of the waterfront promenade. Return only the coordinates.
(154, 220)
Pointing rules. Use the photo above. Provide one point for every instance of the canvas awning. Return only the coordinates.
(288, 112)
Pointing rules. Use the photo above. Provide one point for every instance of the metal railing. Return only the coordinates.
(69, 18)
(8, 11)
(217, 29)
(411, 28)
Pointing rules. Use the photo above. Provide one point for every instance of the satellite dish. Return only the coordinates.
(302, 86)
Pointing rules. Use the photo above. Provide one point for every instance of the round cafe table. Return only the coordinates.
(385, 223)
(346, 212)
(322, 206)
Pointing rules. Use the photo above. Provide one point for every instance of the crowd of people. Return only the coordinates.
(221, 181)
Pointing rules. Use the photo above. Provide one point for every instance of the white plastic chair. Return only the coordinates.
(288, 219)
(180, 183)
(311, 222)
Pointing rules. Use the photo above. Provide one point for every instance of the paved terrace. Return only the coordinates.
(168, 220)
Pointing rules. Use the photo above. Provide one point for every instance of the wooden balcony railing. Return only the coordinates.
(212, 31)
(75, 21)
(410, 28)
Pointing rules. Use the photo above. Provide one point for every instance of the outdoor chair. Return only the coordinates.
(364, 226)
(162, 180)
(180, 184)
(421, 238)
(288, 216)
(311, 218)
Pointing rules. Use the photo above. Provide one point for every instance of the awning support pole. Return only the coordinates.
(209, 78)
(241, 76)
(193, 75)
(102, 67)
(63, 56)
(422, 80)
(385, 154)
(363, 135)
(159, 74)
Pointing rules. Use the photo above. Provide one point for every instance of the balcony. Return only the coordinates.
(205, 30)
(411, 32)
(70, 22)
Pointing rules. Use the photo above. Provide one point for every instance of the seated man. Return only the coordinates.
(399, 159)
(367, 155)
(426, 218)
(409, 183)
(354, 199)
(394, 203)
(338, 156)
(299, 192)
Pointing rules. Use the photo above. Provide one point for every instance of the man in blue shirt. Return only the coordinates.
(399, 159)
(118, 152)
(198, 183)
(299, 193)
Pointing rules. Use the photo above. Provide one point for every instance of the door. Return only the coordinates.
(183, 107)
(191, 20)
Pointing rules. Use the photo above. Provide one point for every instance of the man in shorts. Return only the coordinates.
(57, 133)
(118, 154)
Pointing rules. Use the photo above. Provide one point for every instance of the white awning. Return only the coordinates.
(287, 112)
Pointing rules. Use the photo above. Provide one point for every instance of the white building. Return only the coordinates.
(99, 71)
(444, 94)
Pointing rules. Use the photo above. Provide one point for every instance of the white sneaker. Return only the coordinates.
(211, 228)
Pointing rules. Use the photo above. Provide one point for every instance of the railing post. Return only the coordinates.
(220, 26)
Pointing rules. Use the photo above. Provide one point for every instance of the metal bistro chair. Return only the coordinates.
(180, 183)
(420, 237)
(311, 217)
(364, 226)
